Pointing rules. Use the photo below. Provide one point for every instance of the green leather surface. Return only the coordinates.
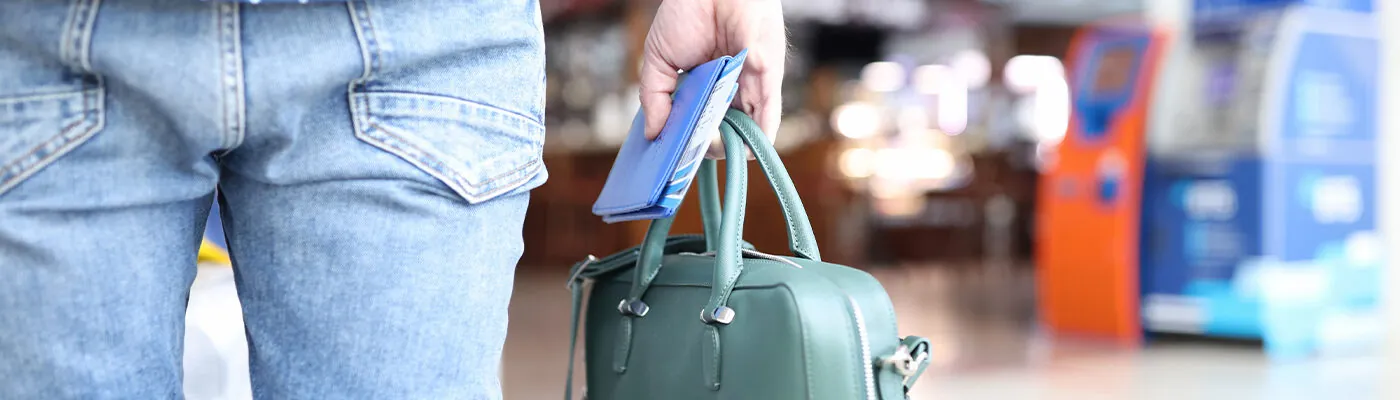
(768, 351)
(795, 334)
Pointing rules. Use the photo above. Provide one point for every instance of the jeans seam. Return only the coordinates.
(376, 54)
(77, 34)
(230, 75)
(368, 40)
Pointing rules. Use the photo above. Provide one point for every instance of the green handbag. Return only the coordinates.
(709, 317)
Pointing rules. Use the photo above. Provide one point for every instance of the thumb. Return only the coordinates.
(658, 81)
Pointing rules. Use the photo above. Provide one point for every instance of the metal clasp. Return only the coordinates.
(904, 363)
(633, 308)
(721, 315)
(574, 277)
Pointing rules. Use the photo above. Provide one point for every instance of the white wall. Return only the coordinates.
(1389, 159)
(1175, 117)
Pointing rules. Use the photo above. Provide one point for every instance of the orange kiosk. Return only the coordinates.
(1090, 197)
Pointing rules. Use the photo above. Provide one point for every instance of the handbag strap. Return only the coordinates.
(576, 290)
(729, 260)
(739, 128)
(800, 237)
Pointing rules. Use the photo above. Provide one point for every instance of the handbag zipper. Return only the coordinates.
(754, 253)
(866, 362)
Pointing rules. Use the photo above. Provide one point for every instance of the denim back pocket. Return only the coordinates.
(47, 105)
(36, 130)
(455, 88)
(478, 151)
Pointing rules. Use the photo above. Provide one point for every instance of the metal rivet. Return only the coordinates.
(634, 308)
(722, 315)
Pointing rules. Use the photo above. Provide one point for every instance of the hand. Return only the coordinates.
(687, 33)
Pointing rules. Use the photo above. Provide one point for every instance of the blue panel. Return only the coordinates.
(1332, 94)
(1322, 163)
(1305, 205)
(1322, 204)
(1229, 313)
(1241, 9)
(1200, 220)
(1200, 223)
(1223, 18)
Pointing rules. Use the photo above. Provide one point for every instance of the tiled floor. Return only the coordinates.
(985, 348)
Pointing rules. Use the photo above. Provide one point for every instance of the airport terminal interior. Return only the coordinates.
(1071, 199)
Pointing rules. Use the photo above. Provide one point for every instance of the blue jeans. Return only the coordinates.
(373, 162)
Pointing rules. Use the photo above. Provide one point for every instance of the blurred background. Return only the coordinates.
(1086, 199)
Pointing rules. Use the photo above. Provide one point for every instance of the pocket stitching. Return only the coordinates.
(92, 116)
(394, 143)
(384, 138)
(515, 116)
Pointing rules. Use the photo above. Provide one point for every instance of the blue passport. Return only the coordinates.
(649, 178)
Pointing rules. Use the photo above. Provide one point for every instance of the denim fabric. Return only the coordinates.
(372, 159)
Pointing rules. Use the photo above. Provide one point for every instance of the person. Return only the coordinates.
(373, 161)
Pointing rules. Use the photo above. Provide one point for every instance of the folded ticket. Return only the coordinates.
(650, 178)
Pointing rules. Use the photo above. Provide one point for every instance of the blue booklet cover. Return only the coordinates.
(649, 178)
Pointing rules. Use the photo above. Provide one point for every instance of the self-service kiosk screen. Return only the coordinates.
(1115, 70)
(1107, 82)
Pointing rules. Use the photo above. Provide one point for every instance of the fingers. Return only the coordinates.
(656, 107)
(761, 29)
(689, 33)
(761, 89)
(657, 79)
(769, 116)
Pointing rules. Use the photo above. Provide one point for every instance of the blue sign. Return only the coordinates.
(1201, 221)
(1238, 9)
(1213, 18)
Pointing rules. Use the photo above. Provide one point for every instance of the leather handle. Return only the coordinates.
(724, 225)
(801, 239)
(740, 126)
(729, 260)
